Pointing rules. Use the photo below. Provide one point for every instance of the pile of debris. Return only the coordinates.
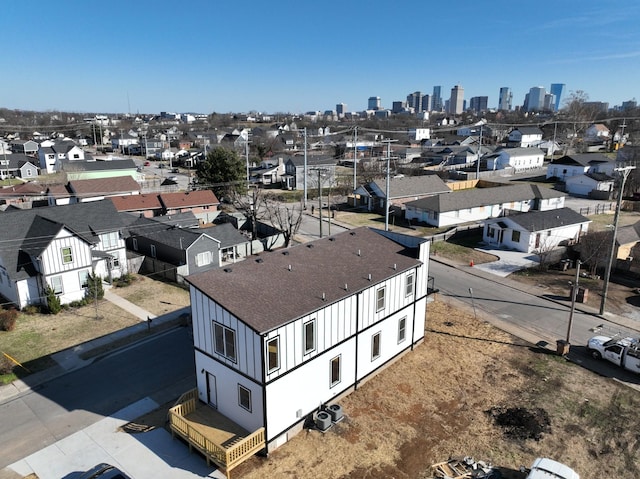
(466, 467)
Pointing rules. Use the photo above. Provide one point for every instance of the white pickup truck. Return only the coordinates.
(623, 352)
(544, 468)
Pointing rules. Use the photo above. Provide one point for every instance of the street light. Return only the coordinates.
(625, 173)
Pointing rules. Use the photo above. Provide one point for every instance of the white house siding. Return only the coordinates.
(465, 215)
(551, 203)
(518, 162)
(27, 292)
(51, 258)
(547, 239)
(563, 172)
(113, 244)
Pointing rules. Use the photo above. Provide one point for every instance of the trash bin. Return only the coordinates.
(562, 347)
(583, 294)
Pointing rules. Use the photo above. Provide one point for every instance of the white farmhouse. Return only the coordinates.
(579, 164)
(536, 230)
(344, 307)
(525, 136)
(518, 159)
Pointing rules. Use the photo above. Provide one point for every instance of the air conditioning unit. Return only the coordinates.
(335, 411)
(323, 420)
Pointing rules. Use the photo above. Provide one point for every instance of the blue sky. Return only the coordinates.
(296, 56)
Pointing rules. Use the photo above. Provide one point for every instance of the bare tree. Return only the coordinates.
(250, 205)
(594, 249)
(283, 216)
(578, 114)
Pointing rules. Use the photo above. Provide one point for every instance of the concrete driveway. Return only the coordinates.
(508, 261)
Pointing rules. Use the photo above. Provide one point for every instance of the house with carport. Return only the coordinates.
(535, 231)
(479, 204)
(402, 189)
(269, 364)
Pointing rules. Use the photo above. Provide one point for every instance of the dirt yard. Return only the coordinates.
(468, 390)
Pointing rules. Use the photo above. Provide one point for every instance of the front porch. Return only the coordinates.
(219, 439)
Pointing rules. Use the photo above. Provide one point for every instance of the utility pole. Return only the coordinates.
(355, 163)
(320, 200)
(574, 294)
(625, 173)
(479, 155)
(246, 152)
(387, 201)
(305, 170)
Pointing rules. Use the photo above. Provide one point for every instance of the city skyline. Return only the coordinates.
(205, 57)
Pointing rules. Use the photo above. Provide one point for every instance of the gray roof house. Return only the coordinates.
(18, 165)
(535, 231)
(403, 189)
(86, 170)
(579, 164)
(479, 204)
(294, 172)
(173, 248)
(58, 247)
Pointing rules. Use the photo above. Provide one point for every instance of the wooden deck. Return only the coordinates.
(219, 439)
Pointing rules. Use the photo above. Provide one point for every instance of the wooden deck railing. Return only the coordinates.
(224, 457)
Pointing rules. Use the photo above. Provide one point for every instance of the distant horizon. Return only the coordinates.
(206, 57)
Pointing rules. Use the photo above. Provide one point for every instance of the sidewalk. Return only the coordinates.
(71, 358)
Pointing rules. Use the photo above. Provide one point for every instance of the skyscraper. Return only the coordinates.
(536, 98)
(556, 90)
(456, 103)
(341, 108)
(374, 103)
(436, 100)
(506, 98)
(479, 103)
(414, 100)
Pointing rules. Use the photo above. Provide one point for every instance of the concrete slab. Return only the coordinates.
(151, 454)
(508, 262)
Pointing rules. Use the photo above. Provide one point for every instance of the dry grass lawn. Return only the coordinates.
(434, 403)
(158, 297)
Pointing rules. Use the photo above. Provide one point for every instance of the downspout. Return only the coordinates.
(264, 394)
(413, 323)
(355, 383)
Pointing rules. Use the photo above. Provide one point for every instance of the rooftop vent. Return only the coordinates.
(369, 276)
(352, 233)
(358, 252)
(332, 239)
(259, 260)
(286, 253)
(289, 267)
(309, 246)
(227, 270)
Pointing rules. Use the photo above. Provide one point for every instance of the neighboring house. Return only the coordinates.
(579, 164)
(535, 231)
(294, 172)
(58, 247)
(627, 239)
(479, 204)
(517, 159)
(151, 146)
(147, 205)
(23, 194)
(596, 132)
(595, 185)
(120, 142)
(403, 189)
(269, 172)
(86, 170)
(18, 165)
(202, 203)
(269, 363)
(173, 251)
(524, 136)
(27, 147)
(51, 157)
(82, 191)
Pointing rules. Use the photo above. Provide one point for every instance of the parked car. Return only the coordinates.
(545, 468)
(104, 471)
(147, 163)
(175, 170)
(623, 352)
(161, 165)
(172, 178)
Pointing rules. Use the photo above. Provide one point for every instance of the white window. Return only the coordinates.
(309, 336)
(153, 251)
(335, 371)
(110, 240)
(409, 286)
(204, 258)
(273, 354)
(380, 298)
(56, 284)
(375, 346)
(135, 244)
(67, 254)
(84, 279)
(244, 397)
(402, 329)
(225, 341)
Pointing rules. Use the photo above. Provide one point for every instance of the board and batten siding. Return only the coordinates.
(51, 258)
(333, 324)
(248, 357)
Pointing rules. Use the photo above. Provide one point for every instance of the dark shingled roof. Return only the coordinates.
(303, 274)
(584, 159)
(24, 232)
(404, 186)
(544, 220)
(475, 197)
(79, 165)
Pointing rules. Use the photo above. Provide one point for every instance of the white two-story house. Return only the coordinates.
(344, 307)
(58, 247)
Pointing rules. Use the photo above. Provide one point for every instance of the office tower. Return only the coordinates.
(426, 102)
(505, 100)
(479, 103)
(536, 98)
(436, 100)
(398, 107)
(456, 103)
(414, 100)
(556, 89)
(374, 103)
(341, 108)
(549, 102)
